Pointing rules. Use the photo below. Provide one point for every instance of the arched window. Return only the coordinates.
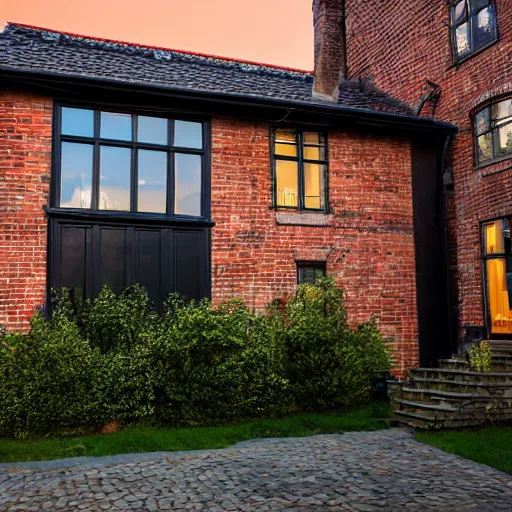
(473, 26)
(492, 127)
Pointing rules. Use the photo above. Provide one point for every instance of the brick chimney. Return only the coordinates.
(330, 57)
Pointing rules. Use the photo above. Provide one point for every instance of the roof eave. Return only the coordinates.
(357, 115)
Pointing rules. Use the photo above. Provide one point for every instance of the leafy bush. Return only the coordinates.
(115, 358)
(329, 365)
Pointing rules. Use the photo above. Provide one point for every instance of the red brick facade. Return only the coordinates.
(401, 45)
(367, 239)
(25, 156)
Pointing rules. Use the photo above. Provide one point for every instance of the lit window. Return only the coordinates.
(309, 272)
(132, 163)
(473, 26)
(493, 131)
(300, 159)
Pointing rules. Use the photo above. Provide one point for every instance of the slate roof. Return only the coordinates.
(25, 48)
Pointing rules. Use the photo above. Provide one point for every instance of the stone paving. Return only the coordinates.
(383, 471)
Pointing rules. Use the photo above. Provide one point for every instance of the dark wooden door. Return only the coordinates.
(87, 255)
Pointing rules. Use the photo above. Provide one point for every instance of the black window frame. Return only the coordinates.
(96, 141)
(300, 130)
(493, 129)
(470, 18)
(316, 265)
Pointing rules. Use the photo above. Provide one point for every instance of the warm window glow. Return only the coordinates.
(300, 169)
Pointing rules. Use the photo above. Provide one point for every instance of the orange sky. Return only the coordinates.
(270, 31)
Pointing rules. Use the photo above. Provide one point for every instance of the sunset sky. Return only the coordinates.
(269, 31)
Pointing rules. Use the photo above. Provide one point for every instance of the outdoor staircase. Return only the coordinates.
(453, 396)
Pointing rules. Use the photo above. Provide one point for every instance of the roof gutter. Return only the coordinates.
(332, 111)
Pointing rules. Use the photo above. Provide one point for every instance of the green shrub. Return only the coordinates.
(115, 358)
(329, 365)
(480, 355)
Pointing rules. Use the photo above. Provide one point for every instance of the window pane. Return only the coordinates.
(287, 183)
(462, 39)
(484, 147)
(485, 26)
(504, 140)
(502, 110)
(314, 186)
(313, 138)
(482, 121)
(459, 12)
(319, 273)
(152, 130)
(77, 121)
(188, 135)
(76, 175)
(493, 234)
(188, 184)
(286, 149)
(286, 135)
(152, 185)
(314, 153)
(116, 126)
(114, 178)
(478, 4)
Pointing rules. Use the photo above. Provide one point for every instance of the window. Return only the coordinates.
(308, 272)
(300, 163)
(129, 163)
(493, 131)
(497, 256)
(473, 26)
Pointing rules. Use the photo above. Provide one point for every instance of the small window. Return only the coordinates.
(492, 128)
(300, 163)
(473, 26)
(130, 163)
(309, 272)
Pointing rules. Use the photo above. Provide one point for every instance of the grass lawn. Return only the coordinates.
(150, 439)
(489, 445)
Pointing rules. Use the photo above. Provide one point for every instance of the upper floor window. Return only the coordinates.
(127, 162)
(493, 131)
(473, 26)
(300, 161)
(309, 272)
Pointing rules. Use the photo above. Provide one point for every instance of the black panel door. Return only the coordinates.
(85, 256)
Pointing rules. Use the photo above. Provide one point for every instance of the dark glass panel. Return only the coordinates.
(484, 147)
(485, 26)
(77, 121)
(152, 130)
(287, 183)
(504, 140)
(76, 175)
(478, 4)
(462, 39)
(188, 135)
(314, 186)
(482, 121)
(459, 12)
(188, 184)
(114, 193)
(152, 181)
(116, 126)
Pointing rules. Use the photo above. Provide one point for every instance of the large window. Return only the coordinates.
(300, 161)
(473, 26)
(129, 163)
(498, 271)
(493, 131)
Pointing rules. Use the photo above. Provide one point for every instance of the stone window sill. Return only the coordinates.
(303, 219)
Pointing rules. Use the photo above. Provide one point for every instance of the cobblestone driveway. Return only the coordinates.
(375, 471)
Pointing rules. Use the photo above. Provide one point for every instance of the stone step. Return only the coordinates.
(428, 410)
(453, 364)
(462, 375)
(417, 420)
(425, 395)
(431, 384)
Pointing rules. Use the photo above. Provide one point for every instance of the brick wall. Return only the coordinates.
(368, 239)
(401, 44)
(25, 156)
